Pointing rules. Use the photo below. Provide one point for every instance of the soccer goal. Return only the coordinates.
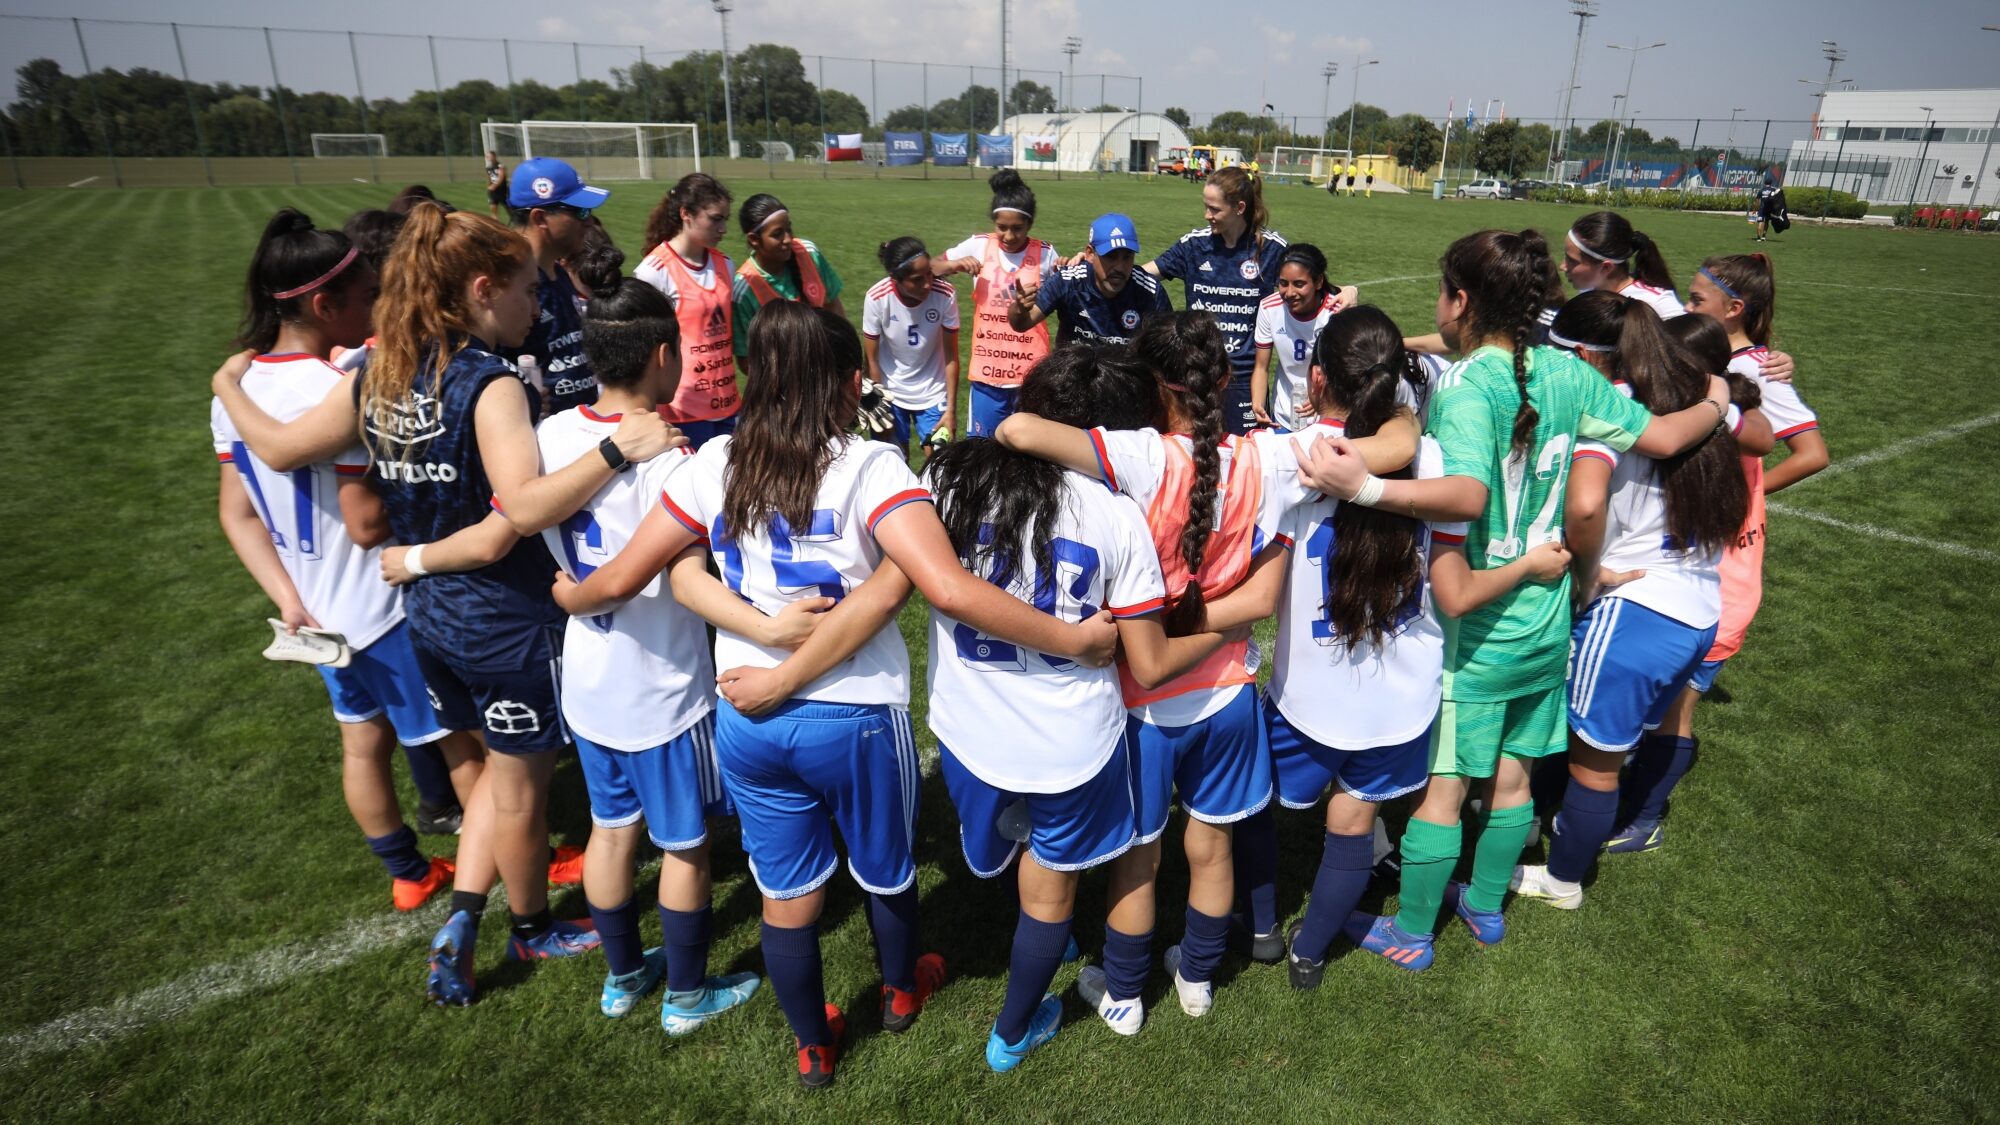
(603, 150)
(1311, 165)
(350, 144)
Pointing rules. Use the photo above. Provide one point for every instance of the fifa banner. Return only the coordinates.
(1039, 150)
(1649, 174)
(996, 150)
(948, 149)
(903, 148)
(842, 146)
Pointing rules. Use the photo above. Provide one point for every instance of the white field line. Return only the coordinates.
(1890, 289)
(1884, 533)
(1894, 449)
(85, 180)
(1898, 448)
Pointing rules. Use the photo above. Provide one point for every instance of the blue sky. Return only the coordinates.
(1205, 57)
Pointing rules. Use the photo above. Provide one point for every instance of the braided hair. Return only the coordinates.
(1186, 353)
(1504, 276)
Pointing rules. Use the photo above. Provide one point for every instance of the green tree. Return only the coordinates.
(1177, 115)
(1368, 123)
(1031, 97)
(1416, 141)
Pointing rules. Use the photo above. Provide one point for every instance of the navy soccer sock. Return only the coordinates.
(687, 934)
(1202, 945)
(1345, 863)
(1127, 960)
(398, 852)
(432, 776)
(791, 957)
(1254, 854)
(1038, 952)
(894, 920)
(1588, 816)
(618, 927)
(1662, 761)
(469, 902)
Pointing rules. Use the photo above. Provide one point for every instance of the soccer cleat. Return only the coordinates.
(1265, 949)
(444, 821)
(1125, 1017)
(1072, 951)
(1305, 973)
(1639, 836)
(1532, 880)
(622, 993)
(816, 1062)
(899, 1008)
(1003, 1056)
(1196, 997)
(561, 939)
(1488, 928)
(1379, 934)
(683, 1012)
(451, 960)
(408, 894)
(566, 866)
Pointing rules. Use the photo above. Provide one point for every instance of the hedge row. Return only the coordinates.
(1804, 202)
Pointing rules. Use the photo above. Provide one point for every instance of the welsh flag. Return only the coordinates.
(843, 146)
(1041, 150)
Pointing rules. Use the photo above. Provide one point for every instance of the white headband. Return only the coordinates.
(1578, 345)
(1016, 210)
(768, 218)
(1578, 243)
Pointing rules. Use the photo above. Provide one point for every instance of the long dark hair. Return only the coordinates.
(1185, 351)
(756, 210)
(625, 318)
(1705, 494)
(794, 414)
(691, 192)
(1706, 341)
(999, 505)
(1311, 259)
(1610, 236)
(1011, 193)
(1755, 285)
(1504, 276)
(1375, 573)
(291, 252)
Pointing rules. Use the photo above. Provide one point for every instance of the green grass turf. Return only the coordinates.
(1815, 942)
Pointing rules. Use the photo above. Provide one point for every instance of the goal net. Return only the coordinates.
(349, 144)
(1311, 165)
(603, 150)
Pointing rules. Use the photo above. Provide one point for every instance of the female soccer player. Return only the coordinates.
(781, 266)
(1288, 321)
(1001, 261)
(684, 231)
(1506, 418)
(310, 537)
(1646, 536)
(909, 331)
(1025, 734)
(1602, 251)
(793, 505)
(449, 438)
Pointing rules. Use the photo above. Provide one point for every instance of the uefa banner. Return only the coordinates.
(1039, 150)
(842, 146)
(948, 150)
(996, 150)
(903, 148)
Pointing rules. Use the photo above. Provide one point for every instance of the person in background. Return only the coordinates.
(496, 184)
(550, 205)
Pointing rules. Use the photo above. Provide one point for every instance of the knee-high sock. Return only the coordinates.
(894, 920)
(1202, 945)
(1502, 835)
(1038, 951)
(1548, 779)
(618, 927)
(431, 775)
(1588, 817)
(1254, 854)
(1662, 760)
(1127, 961)
(1430, 852)
(1345, 863)
(686, 936)
(791, 958)
(398, 852)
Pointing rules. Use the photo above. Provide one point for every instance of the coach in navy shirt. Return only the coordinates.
(1102, 298)
(550, 205)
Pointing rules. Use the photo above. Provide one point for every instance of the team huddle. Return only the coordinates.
(501, 492)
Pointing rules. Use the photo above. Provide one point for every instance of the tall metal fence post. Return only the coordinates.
(646, 92)
(582, 111)
(278, 93)
(194, 111)
(1687, 196)
(819, 95)
(513, 99)
(354, 53)
(437, 89)
(971, 129)
(96, 106)
(1763, 152)
(927, 128)
(1838, 152)
(764, 82)
(1992, 134)
(875, 113)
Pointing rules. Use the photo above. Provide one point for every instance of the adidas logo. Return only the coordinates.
(1117, 1013)
(718, 320)
(1206, 268)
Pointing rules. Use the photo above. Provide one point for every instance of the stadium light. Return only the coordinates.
(1834, 55)
(1070, 47)
(722, 8)
(1583, 10)
(1626, 97)
(1325, 96)
(1354, 104)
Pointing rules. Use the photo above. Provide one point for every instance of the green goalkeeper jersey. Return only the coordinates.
(1518, 644)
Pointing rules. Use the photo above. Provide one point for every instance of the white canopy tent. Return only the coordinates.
(1095, 142)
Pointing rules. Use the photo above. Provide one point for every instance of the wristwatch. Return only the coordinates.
(613, 456)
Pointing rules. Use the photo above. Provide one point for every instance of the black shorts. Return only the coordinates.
(518, 709)
(497, 194)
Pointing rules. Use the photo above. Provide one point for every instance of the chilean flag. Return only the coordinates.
(843, 146)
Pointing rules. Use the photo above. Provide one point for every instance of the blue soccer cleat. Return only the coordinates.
(1072, 952)
(622, 994)
(1379, 934)
(1042, 1027)
(451, 960)
(1639, 836)
(685, 1011)
(1488, 927)
(561, 939)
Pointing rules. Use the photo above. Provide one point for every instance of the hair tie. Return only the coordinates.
(767, 220)
(1720, 284)
(1178, 388)
(1562, 341)
(1578, 243)
(346, 260)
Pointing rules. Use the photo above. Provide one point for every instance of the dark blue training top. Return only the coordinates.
(1229, 282)
(556, 342)
(428, 469)
(1088, 315)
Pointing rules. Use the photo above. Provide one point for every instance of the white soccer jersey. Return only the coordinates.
(1291, 340)
(636, 677)
(1354, 697)
(1664, 301)
(1681, 583)
(339, 581)
(660, 277)
(1024, 721)
(975, 247)
(1788, 413)
(912, 340)
(771, 567)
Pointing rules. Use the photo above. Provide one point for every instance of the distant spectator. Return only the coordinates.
(496, 185)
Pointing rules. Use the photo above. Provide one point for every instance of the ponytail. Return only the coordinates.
(1706, 342)
(1748, 278)
(897, 254)
(1608, 237)
(293, 260)
(1648, 264)
(1186, 353)
(1503, 276)
(1239, 185)
(692, 192)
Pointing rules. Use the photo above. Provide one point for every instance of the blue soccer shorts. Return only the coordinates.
(1069, 831)
(1704, 676)
(990, 407)
(518, 709)
(1627, 666)
(1220, 767)
(923, 423)
(675, 786)
(699, 433)
(1304, 767)
(807, 768)
(383, 679)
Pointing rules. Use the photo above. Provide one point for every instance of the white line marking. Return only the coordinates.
(25, 206)
(86, 180)
(1884, 533)
(1898, 448)
(1890, 289)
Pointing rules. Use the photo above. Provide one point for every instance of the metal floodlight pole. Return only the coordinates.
(1070, 47)
(513, 99)
(278, 94)
(1583, 10)
(1001, 125)
(1325, 98)
(96, 106)
(1630, 70)
(361, 95)
(1354, 103)
(437, 90)
(1722, 176)
(194, 112)
(722, 8)
(1834, 55)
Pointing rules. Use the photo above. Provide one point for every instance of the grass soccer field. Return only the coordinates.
(198, 933)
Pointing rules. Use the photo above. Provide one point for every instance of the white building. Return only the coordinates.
(1093, 142)
(1892, 146)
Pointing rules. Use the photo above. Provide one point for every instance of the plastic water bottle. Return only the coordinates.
(1013, 821)
(531, 373)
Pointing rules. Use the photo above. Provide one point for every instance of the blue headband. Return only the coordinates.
(1720, 284)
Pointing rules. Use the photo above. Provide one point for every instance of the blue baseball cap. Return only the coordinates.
(1114, 232)
(546, 180)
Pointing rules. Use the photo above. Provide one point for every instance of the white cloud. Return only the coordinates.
(556, 27)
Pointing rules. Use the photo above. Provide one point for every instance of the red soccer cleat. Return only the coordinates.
(566, 866)
(899, 1008)
(816, 1062)
(408, 894)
